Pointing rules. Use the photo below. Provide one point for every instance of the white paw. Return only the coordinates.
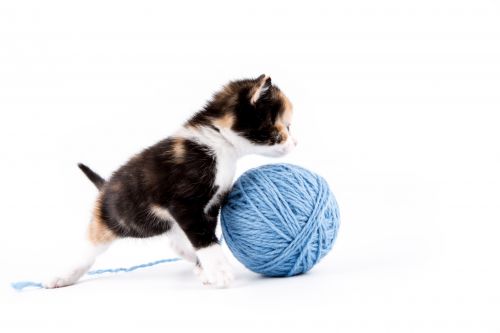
(197, 270)
(220, 276)
(64, 280)
(215, 270)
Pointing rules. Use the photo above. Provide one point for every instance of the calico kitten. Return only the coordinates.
(177, 186)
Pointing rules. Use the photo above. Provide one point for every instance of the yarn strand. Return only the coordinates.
(19, 286)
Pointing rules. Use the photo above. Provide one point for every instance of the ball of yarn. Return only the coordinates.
(280, 219)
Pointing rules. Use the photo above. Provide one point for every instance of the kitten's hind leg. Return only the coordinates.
(75, 271)
(99, 238)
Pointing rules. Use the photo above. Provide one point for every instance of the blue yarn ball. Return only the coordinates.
(280, 219)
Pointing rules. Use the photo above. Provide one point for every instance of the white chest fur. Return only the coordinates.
(225, 168)
(224, 174)
(225, 155)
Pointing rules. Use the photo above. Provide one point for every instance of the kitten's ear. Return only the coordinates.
(262, 85)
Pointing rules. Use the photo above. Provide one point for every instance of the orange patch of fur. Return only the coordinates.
(226, 121)
(98, 232)
(288, 108)
(178, 149)
(283, 131)
(284, 120)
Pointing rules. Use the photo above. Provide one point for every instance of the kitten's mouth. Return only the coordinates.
(285, 149)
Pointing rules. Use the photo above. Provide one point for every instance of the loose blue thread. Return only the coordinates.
(19, 286)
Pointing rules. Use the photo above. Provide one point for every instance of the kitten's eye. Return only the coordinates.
(288, 127)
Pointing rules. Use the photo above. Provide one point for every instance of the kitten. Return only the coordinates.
(178, 185)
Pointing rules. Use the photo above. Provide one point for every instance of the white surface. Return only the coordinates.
(396, 104)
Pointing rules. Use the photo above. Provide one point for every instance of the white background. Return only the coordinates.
(397, 105)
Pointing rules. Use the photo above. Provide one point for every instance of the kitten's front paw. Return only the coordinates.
(214, 270)
(220, 276)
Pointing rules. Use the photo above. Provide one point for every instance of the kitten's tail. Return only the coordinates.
(94, 177)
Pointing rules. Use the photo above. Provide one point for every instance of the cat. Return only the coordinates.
(177, 186)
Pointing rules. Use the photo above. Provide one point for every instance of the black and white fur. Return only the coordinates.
(178, 185)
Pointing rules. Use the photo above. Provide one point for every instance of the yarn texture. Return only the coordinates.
(280, 219)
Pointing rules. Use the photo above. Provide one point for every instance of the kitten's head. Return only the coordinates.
(253, 114)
